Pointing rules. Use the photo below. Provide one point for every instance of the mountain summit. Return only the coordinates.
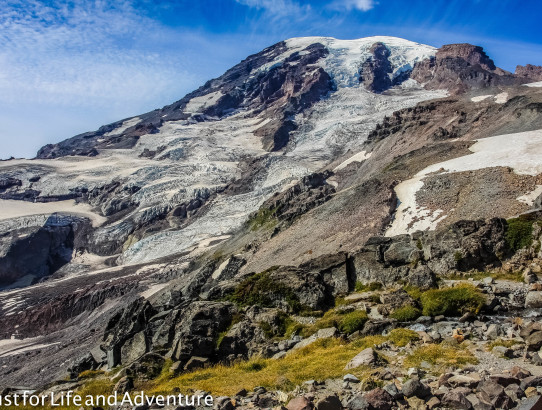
(313, 155)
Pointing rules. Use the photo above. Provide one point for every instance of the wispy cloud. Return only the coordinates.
(279, 8)
(102, 58)
(361, 5)
(74, 53)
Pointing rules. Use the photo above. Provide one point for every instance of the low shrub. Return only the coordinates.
(264, 218)
(501, 342)
(260, 289)
(353, 321)
(401, 336)
(519, 233)
(347, 322)
(370, 287)
(452, 301)
(90, 374)
(406, 313)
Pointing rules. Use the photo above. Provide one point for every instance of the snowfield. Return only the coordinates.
(520, 151)
(346, 56)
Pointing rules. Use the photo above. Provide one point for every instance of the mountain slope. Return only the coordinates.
(298, 156)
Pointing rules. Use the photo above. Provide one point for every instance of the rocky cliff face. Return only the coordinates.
(532, 72)
(460, 67)
(198, 231)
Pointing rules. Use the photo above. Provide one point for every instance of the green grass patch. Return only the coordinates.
(264, 218)
(406, 313)
(519, 233)
(401, 337)
(413, 291)
(452, 301)
(90, 374)
(346, 322)
(353, 321)
(369, 287)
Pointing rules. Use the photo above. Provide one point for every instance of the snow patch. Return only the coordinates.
(216, 274)
(198, 104)
(520, 151)
(359, 157)
(481, 98)
(537, 84)
(501, 98)
(16, 209)
(411, 217)
(125, 125)
(530, 197)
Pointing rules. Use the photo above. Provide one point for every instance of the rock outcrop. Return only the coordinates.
(532, 72)
(460, 67)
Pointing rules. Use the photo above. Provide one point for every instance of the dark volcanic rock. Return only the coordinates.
(41, 251)
(375, 72)
(127, 330)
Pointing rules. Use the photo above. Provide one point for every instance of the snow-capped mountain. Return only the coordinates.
(306, 149)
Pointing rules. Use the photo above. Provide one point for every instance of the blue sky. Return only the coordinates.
(68, 67)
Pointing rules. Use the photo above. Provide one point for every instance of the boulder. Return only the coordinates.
(533, 299)
(198, 327)
(196, 362)
(380, 399)
(134, 348)
(415, 388)
(147, 367)
(493, 393)
(504, 379)
(534, 341)
(520, 372)
(358, 402)
(463, 380)
(331, 402)
(456, 400)
(321, 334)
(84, 363)
(300, 403)
(366, 357)
(125, 384)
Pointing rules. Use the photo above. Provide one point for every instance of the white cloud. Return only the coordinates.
(278, 7)
(71, 54)
(93, 60)
(362, 5)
